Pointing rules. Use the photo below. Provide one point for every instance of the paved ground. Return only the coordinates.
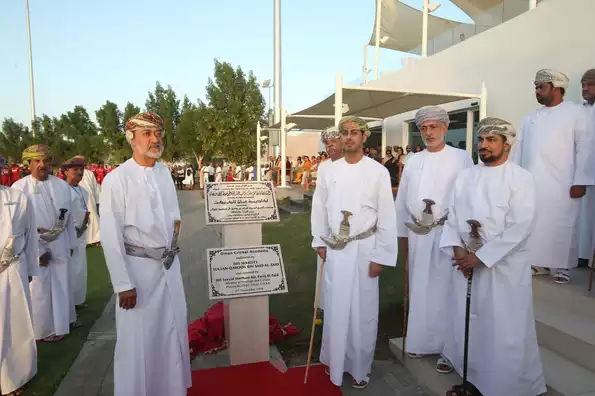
(92, 371)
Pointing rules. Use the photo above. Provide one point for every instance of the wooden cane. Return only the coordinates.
(591, 270)
(405, 304)
(316, 292)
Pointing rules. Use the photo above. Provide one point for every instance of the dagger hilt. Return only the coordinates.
(475, 226)
(346, 215)
(429, 203)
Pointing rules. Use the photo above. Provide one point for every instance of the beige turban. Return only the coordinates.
(497, 126)
(431, 113)
(363, 125)
(37, 151)
(558, 79)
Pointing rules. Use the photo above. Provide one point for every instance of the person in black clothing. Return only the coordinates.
(391, 164)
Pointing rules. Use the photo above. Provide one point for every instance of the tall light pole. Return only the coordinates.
(267, 84)
(31, 80)
(277, 59)
(377, 37)
(428, 8)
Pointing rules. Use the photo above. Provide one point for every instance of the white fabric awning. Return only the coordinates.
(402, 25)
(370, 103)
(492, 11)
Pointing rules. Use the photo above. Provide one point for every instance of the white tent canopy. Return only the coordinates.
(372, 104)
(402, 25)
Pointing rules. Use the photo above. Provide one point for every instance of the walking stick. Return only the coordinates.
(472, 246)
(405, 304)
(316, 295)
(591, 270)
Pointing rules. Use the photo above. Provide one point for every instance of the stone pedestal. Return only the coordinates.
(246, 319)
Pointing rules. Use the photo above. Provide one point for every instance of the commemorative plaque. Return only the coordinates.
(240, 203)
(246, 271)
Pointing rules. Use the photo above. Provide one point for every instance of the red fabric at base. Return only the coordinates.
(261, 379)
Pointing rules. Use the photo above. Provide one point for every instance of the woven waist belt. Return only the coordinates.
(161, 254)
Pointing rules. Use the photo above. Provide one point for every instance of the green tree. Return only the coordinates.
(110, 121)
(163, 101)
(228, 119)
(77, 134)
(14, 138)
(129, 111)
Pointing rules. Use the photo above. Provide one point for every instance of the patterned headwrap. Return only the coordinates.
(558, 79)
(2, 162)
(75, 161)
(363, 125)
(330, 133)
(589, 75)
(143, 120)
(497, 126)
(431, 113)
(37, 151)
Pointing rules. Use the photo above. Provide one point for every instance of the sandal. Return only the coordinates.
(359, 385)
(443, 365)
(76, 324)
(536, 271)
(415, 355)
(561, 278)
(53, 338)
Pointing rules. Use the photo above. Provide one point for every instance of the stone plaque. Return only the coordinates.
(247, 271)
(240, 202)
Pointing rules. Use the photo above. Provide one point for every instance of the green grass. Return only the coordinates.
(293, 233)
(54, 360)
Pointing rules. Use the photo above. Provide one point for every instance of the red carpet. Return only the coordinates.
(261, 379)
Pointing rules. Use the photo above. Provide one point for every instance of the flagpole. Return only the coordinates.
(31, 79)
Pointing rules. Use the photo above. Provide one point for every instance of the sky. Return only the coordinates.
(86, 52)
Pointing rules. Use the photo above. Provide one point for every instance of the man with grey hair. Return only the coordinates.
(18, 264)
(421, 207)
(489, 221)
(331, 138)
(355, 234)
(139, 228)
(554, 146)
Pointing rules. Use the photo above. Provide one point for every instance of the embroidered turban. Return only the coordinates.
(497, 126)
(37, 151)
(558, 79)
(589, 75)
(330, 133)
(143, 120)
(361, 124)
(75, 161)
(431, 113)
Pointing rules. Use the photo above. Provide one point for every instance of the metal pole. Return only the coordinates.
(283, 142)
(258, 144)
(469, 135)
(483, 103)
(405, 135)
(277, 60)
(377, 38)
(365, 66)
(31, 79)
(424, 30)
(338, 98)
(383, 141)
